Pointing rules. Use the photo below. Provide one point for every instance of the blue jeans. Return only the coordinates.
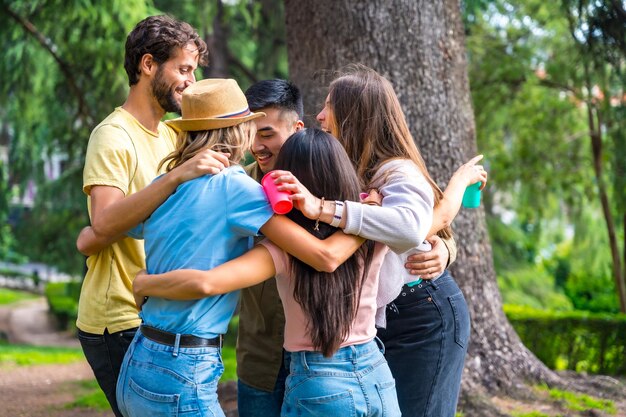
(354, 381)
(428, 329)
(162, 380)
(254, 402)
(105, 354)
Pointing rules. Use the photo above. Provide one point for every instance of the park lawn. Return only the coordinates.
(23, 355)
(11, 296)
(89, 394)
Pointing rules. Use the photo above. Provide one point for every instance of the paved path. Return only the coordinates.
(28, 322)
(43, 390)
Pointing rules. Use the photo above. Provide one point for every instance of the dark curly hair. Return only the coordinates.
(159, 36)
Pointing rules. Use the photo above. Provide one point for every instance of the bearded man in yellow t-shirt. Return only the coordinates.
(123, 158)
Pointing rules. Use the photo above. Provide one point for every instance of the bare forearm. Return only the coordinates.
(121, 216)
(184, 284)
(448, 207)
(323, 255)
(88, 243)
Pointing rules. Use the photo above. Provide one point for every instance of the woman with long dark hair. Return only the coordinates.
(336, 365)
(174, 362)
(424, 325)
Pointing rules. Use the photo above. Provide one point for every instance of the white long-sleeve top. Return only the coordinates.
(402, 223)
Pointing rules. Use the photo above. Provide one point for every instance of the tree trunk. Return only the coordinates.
(217, 41)
(419, 45)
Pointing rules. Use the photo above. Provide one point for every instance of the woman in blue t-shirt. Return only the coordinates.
(173, 365)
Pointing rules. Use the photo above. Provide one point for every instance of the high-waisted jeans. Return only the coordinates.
(428, 329)
(162, 380)
(355, 381)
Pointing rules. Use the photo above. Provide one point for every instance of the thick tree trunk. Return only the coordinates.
(419, 46)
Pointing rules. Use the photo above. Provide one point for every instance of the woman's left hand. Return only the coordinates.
(302, 198)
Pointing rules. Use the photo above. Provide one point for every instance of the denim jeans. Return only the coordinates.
(105, 353)
(355, 381)
(161, 380)
(254, 402)
(428, 329)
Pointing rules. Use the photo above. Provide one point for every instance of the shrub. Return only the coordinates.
(63, 302)
(575, 340)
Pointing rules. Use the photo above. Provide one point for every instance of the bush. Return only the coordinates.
(534, 287)
(63, 302)
(574, 340)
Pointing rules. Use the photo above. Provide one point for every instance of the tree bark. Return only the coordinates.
(419, 45)
(217, 41)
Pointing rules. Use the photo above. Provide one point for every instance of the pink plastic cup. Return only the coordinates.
(279, 200)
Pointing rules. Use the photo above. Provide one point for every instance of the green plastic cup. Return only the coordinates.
(471, 196)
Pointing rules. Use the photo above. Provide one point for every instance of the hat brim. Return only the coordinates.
(192, 125)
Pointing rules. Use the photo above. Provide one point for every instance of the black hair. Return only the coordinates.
(330, 301)
(277, 93)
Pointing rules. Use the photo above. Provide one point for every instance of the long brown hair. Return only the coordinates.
(235, 140)
(330, 301)
(371, 125)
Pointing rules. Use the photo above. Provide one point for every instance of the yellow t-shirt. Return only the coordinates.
(124, 154)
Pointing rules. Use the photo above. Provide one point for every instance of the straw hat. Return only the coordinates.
(213, 104)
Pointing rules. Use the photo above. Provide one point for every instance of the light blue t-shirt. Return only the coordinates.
(206, 222)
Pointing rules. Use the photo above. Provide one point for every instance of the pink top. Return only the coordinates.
(296, 337)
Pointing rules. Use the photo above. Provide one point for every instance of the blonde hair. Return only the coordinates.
(235, 140)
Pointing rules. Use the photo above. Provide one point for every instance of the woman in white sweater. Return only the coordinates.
(424, 325)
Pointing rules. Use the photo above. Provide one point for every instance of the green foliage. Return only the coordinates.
(10, 296)
(536, 68)
(532, 287)
(62, 73)
(31, 355)
(63, 301)
(230, 364)
(575, 340)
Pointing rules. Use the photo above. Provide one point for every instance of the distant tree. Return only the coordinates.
(61, 73)
(548, 92)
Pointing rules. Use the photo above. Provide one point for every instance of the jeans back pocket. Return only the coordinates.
(461, 319)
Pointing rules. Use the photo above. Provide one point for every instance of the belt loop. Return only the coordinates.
(176, 345)
(381, 345)
(305, 365)
(354, 356)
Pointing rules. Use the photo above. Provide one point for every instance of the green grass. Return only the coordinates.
(583, 402)
(11, 296)
(230, 364)
(37, 355)
(90, 396)
(532, 414)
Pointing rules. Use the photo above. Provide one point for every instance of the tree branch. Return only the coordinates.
(246, 71)
(65, 68)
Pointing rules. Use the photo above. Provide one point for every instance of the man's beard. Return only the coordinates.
(163, 93)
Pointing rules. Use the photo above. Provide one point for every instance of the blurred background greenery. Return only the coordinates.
(547, 82)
